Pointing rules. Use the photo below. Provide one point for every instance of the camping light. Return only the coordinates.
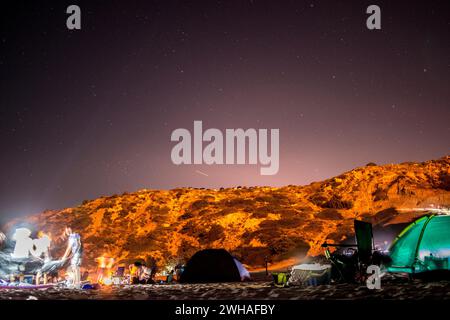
(104, 270)
(107, 281)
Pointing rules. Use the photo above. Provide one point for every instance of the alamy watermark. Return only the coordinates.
(373, 22)
(374, 279)
(73, 22)
(228, 148)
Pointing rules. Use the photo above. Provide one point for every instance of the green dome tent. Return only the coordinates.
(423, 246)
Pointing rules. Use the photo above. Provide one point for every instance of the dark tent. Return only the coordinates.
(211, 265)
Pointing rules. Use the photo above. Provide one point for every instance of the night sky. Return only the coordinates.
(90, 112)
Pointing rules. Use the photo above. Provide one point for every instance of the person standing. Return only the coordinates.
(73, 250)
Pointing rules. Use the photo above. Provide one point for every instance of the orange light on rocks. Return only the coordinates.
(104, 273)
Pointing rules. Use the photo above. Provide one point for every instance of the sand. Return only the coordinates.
(391, 289)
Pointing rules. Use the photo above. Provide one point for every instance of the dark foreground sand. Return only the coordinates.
(393, 289)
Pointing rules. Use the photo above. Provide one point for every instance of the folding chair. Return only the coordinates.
(363, 254)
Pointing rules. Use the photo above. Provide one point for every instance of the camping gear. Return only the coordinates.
(211, 265)
(28, 278)
(313, 274)
(352, 265)
(52, 266)
(87, 286)
(280, 279)
(364, 241)
(120, 272)
(422, 246)
(119, 276)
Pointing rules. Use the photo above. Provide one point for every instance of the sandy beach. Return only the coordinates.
(392, 289)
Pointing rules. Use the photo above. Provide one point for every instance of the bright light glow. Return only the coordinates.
(104, 275)
(438, 210)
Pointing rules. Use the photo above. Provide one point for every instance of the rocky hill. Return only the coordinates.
(254, 223)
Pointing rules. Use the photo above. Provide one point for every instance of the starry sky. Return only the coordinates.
(90, 112)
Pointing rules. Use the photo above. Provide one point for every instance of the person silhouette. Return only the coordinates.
(73, 251)
(2, 239)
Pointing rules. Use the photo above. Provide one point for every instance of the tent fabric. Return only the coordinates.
(211, 265)
(242, 271)
(423, 246)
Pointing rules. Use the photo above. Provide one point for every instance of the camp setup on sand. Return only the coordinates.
(422, 249)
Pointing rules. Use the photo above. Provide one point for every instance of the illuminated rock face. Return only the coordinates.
(254, 224)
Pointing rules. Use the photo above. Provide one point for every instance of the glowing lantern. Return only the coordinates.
(104, 270)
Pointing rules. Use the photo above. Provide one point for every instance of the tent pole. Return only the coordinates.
(416, 254)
